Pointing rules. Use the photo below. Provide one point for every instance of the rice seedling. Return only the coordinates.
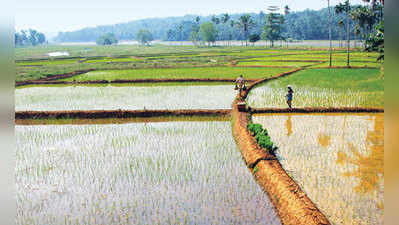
(275, 63)
(323, 88)
(196, 72)
(107, 97)
(337, 159)
(140, 173)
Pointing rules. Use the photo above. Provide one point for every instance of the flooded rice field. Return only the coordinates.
(135, 173)
(337, 159)
(126, 97)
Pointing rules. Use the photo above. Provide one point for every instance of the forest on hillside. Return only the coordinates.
(303, 25)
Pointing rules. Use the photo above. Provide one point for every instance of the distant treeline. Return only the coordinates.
(30, 37)
(304, 25)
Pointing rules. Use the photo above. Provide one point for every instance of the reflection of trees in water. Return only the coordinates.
(289, 125)
(323, 138)
(370, 168)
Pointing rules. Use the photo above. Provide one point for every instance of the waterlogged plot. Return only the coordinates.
(323, 88)
(337, 160)
(142, 173)
(111, 97)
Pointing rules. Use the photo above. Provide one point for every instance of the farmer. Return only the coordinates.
(240, 83)
(289, 96)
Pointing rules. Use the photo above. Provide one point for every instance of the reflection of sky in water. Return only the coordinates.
(336, 159)
(124, 97)
(138, 173)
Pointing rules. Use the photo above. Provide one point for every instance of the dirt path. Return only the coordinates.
(292, 204)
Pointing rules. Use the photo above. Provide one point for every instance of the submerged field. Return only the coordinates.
(337, 160)
(141, 173)
(323, 88)
(108, 97)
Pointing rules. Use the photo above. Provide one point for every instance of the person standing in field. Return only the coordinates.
(289, 96)
(240, 83)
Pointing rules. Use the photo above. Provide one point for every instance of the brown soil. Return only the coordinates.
(292, 204)
(253, 66)
(101, 114)
(78, 121)
(345, 67)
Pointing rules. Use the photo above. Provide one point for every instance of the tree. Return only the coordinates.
(33, 37)
(273, 28)
(41, 38)
(208, 32)
(254, 38)
(245, 22)
(329, 31)
(345, 8)
(225, 19)
(376, 41)
(107, 39)
(195, 33)
(286, 10)
(144, 37)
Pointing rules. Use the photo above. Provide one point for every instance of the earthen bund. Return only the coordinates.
(292, 204)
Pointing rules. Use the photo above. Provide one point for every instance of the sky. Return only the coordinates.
(52, 16)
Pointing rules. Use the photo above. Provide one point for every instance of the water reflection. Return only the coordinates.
(337, 159)
(370, 167)
(289, 125)
(322, 137)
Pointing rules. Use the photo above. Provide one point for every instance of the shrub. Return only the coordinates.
(262, 137)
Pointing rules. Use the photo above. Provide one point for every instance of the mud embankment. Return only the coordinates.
(318, 110)
(158, 119)
(103, 114)
(50, 78)
(292, 204)
(171, 80)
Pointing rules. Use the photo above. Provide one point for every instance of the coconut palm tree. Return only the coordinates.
(225, 18)
(329, 31)
(246, 23)
(341, 8)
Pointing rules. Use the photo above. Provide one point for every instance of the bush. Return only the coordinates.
(262, 137)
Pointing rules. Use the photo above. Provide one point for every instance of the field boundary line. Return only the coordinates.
(318, 110)
(118, 81)
(102, 114)
(292, 204)
(344, 67)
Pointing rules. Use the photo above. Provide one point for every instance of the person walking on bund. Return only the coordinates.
(289, 96)
(240, 83)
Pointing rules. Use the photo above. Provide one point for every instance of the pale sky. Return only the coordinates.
(51, 16)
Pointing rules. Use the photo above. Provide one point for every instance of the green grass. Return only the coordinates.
(323, 88)
(275, 63)
(33, 63)
(197, 72)
(342, 62)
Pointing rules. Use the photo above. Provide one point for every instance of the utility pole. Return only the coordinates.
(347, 32)
(329, 31)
